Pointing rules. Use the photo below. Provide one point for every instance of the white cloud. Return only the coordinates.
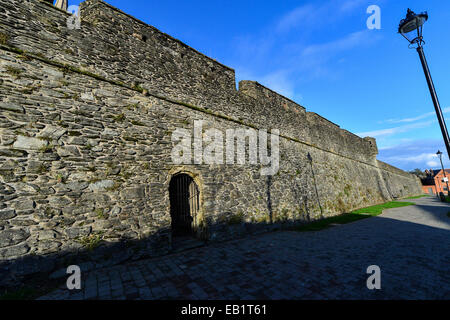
(350, 5)
(415, 154)
(308, 15)
(350, 41)
(430, 159)
(423, 157)
(279, 82)
(398, 142)
(432, 164)
(303, 15)
(395, 130)
(273, 59)
(422, 116)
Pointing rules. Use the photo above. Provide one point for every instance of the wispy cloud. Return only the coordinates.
(307, 16)
(351, 5)
(281, 57)
(428, 158)
(395, 130)
(279, 82)
(415, 154)
(350, 41)
(424, 160)
(420, 117)
(303, 15)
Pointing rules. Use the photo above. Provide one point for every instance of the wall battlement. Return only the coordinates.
(90, 13)
(85, 152)
(118, 46)
(264, 94)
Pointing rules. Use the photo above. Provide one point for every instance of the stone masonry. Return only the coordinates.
(86, 123)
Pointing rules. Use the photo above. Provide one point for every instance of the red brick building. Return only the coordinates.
(435, 182)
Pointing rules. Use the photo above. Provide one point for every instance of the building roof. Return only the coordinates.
(435, 172)
(430, 179)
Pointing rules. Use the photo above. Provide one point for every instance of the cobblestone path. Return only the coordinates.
(411, 245)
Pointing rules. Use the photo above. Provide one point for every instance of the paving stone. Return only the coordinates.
(409, 244)
(145, 293)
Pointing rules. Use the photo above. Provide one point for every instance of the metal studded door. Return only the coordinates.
(184, 204)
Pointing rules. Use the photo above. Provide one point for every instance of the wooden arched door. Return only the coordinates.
(184, 204)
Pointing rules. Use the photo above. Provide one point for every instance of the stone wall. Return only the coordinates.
(86, 123)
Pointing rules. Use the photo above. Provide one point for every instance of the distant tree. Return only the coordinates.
(419, 173)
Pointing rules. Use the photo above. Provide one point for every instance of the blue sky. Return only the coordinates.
(322, 55)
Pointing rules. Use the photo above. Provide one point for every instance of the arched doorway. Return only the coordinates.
(184, 204)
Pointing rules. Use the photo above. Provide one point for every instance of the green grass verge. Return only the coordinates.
(378, 209)
(353, 216)
(418, 197)
(20, 294)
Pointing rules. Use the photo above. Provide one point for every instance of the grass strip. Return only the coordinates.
(356, 215)
(418, 197)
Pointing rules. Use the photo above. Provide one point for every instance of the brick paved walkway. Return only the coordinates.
(411, 245)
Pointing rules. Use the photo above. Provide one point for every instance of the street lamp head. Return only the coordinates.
(411, 27)
(439, 153)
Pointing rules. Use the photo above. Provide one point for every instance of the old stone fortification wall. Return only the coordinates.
(85, 151)
(110, 44)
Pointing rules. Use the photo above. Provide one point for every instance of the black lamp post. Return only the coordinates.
(439, 153)
(411, 28)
